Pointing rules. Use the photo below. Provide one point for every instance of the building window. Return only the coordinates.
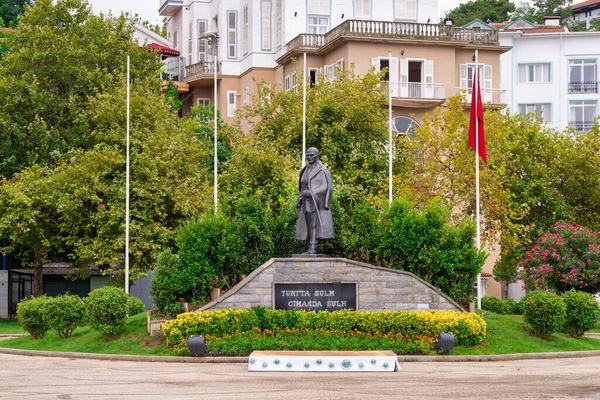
(543, 111)
(318, 7)
(231, 103)
(318, 25)
(231, 34)
(313, 74)
(362, 9)
(190, 36)
(405, 126)
(295, 80)
(245, 29)
(582, 114)
(202, 46)
(246, 95)
(203, 102)
(265, 21)
(485, 81)
(278, 23)
(405, 9)
(534, 73)
(286, 83)
(583, 76)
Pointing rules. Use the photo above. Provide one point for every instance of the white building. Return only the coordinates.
(551, 72)
(585, 11)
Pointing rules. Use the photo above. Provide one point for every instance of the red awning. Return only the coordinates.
(163, 49)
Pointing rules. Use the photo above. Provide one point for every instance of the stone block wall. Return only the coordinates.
(3, 294)
(378, 288)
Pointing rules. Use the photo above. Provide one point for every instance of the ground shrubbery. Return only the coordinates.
(104, 310)
(543, 313)
(234, 324)
(500, 306)
(582, 312)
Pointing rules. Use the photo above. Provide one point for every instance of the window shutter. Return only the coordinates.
(375, 65)
(231, 34)
(245, 30)
(411, 9)
(394, 76)
(266, 25)
(464, 76)
(400, 9)
(429, 91)
(487, 83)
(320, 7)
(201, 42)
(231, 106)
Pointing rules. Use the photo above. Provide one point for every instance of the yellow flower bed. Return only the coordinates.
(468, 329)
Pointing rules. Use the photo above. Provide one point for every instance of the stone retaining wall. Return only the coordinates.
(378, 288)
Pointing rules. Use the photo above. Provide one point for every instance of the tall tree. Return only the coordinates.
(11, 9)
(536, 10)
(61, 59)
(485, 10)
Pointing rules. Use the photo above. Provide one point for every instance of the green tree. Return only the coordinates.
(536, 10)
(485, 10)
(11, 9)
(48, 86)
(506, 270)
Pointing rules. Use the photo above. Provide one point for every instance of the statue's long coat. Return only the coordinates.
(321, 189)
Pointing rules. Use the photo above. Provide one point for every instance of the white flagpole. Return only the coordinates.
(390, 122)
(304, 113)
(215, 161)
(477, 217)
(127, 192)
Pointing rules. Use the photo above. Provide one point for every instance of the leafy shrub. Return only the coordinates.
(567, 258)
(543, 313)
(135, 306)
(468, 329)
(427, 244)
(108, 308)
(582, 312)
(493, 304)
(65, 313)
(513, 307)
(33, 317)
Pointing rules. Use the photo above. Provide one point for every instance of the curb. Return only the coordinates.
(13, 335)
(229, 360)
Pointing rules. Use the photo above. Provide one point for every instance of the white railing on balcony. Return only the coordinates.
(419, 90)
(201, 68)
(387, 29)
(487, 95)
(581, 126)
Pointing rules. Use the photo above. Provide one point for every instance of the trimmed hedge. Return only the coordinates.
(499, 306)
(65, 313)
(108, 307)
(468, 329)
(32, 316)
(543, 312)
(582, 312)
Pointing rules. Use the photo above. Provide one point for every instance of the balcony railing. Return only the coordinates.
(400, 30)
(581, 126)
(201, 68)
(487, 95)
(418, 90)
(583, 87)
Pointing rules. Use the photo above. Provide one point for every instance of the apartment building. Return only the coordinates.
(586, 11)
(267, 39)
(550, 71)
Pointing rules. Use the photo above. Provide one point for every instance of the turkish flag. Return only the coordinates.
(477, 119)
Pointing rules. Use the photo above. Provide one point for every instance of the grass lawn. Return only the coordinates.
(10, 326)
(505, 335)
(596, 328)
(134, 340)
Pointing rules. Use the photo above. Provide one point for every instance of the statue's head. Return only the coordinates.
(312, 155)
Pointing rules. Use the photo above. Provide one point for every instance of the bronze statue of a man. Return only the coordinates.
(314, 216)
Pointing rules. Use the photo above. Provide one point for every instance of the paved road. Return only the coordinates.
(23, 377)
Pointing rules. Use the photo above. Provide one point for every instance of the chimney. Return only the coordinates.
(552, 20)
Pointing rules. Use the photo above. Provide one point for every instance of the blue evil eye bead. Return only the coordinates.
(276, 362)
(319, 361)
(361, 365)
(288, 365)
(386, 365)
(331, 365)
(306, 365)
(264, 365)
(252, 361)
(346, 364)
(373, 361)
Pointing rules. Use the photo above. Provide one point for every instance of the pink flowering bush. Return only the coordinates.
(564, 259)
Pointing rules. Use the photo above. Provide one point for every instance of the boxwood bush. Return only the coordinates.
(468, 329)
(499, 306)
(108, 308)
(33, 317)
(543, 312)
(582, 312)
(64, 314)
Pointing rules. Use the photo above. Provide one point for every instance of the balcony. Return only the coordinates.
(583, 87)
(168, 8)
(491, 96)
(581, 126)
(392, 30)
(203, 69)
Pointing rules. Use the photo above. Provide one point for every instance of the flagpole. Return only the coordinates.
(477, 216)
(304, 113)
(390, 123)
(127, 191)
